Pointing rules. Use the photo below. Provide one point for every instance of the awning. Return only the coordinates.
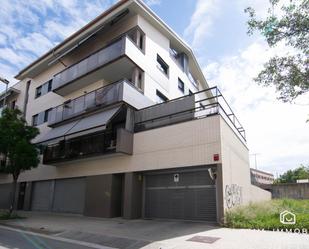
(86, 125)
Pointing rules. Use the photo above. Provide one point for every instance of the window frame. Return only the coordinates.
(162, 65)
(38, 91)
(161, 96)
(35, 120)
(46, 114)
(182, 87)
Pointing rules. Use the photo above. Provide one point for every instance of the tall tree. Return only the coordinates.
(16, 149)
(289, 73)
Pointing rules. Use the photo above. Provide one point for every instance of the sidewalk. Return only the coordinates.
(154, 234)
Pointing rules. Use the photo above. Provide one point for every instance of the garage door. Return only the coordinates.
(5, 194)
(69, 196)
(189, 195)
(42, 195)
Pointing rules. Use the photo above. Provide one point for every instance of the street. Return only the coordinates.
(10, 239)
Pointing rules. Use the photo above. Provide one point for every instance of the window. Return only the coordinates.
(38, 91)
(46, 115)
(161, 97)
(13, 104)
(162, 65)
(35, 119)
(41, 117)
(43, 89)
(50, 85)
(138, 37)
(181, 85)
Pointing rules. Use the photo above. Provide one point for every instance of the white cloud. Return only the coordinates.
(3, 39)
(35, 43)
(30, 28)
(277, 131)
(153, 2)
(13, 57)
(201, 23)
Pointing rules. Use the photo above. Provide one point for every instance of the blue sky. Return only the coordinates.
(216, 29)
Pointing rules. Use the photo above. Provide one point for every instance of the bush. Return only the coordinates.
(266, 215)
(7, 216)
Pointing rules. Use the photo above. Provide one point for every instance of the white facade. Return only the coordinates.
(210, 142)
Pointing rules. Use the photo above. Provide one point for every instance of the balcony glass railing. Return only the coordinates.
(90, 63)
(101, 97)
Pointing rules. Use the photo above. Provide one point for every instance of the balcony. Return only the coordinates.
(108, 142)
(121, 91)
(199, 105)
(109, 64)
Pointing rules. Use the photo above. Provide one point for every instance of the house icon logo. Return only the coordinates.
(287, 218)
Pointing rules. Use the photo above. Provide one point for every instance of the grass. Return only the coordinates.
(5, 215)
(266, 215)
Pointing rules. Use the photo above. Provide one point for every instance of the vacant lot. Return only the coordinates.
(266, 215)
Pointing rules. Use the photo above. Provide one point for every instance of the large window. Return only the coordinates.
(41, 117)
(161, 64)
(161, 97)
(43, 89)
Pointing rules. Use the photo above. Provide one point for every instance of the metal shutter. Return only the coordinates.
(42, 195)
(5, 195)
(192, 198)
(69, 196)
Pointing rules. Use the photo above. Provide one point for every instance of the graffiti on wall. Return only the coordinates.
(233, 195)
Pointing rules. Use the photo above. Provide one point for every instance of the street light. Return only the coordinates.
(5, 81)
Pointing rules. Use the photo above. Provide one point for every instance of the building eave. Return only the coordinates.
(80, 34)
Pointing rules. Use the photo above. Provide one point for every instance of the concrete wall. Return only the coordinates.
(235, 168)
(237, 188)
(292, 190)
(258, 194)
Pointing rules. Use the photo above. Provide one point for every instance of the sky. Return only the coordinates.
(216, 30)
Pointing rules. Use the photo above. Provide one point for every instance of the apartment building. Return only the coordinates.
(259, 177)
(129, 126)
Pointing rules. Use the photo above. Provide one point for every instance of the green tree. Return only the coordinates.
(16, 149)
(291, 176)
(289, 73)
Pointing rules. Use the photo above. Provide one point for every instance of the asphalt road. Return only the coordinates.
(19, 240)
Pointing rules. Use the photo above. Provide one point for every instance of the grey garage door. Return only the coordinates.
(5, 194)
(42, 195)
(189, 195)
(69, 196)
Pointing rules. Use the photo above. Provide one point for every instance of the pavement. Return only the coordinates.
(85, 232)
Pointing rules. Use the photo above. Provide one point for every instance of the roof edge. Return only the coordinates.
(95, 20)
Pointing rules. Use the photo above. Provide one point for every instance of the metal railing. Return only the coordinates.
(103, 96)
(199, 105)
(90, 145)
